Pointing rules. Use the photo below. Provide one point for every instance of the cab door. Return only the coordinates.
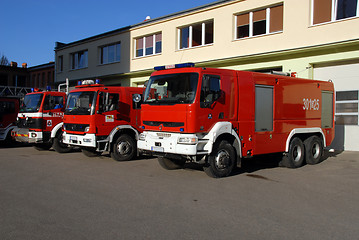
(108, 112)
(53, 110)
(211, 109)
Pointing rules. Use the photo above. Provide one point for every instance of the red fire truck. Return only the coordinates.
(101, 118)
(217, 117)
(9, 107)
(39, 120)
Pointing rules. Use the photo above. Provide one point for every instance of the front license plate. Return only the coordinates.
(157, 149)
(73, 138)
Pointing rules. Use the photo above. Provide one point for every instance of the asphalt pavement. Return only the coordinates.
(47, 195)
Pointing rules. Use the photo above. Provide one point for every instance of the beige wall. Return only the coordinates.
(297, 33)
(260, 51)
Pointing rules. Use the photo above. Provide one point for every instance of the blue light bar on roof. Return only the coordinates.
(179, 65)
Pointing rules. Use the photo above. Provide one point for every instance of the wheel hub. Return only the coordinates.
(315, 150)
(222, 159)
(297, 153)
(123, 148)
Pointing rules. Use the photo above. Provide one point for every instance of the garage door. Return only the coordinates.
(345, 77)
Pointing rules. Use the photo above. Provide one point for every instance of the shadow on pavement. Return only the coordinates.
(256, 163)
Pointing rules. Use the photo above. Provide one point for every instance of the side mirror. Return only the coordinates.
(136, 98)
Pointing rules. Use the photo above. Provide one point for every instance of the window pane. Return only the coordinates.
(196, 35)
(209, 33)
(259, 22)
(159, 43)
(118, 52)
(346, 120)
(347, 95)
(184, 37)
(259, 27)
(347, 107)
(322, 11)
(158, 47)
(259, 15)
(346, 9)
(243, 25)
(276, 19)
(85, 61)
(149, 45)
(139, 47)
(104, 55)
(111, 53)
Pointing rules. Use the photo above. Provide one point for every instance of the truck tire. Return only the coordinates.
(90, 152)
(171, 164)
(58, 146)
(221, 161)
(313, 150)
(295, 156)
(124, 148)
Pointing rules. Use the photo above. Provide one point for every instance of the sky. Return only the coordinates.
(30, 28)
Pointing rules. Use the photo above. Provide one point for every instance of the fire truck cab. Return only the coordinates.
(39, 120)
(9, 107)
(216, 117)
(102, 118)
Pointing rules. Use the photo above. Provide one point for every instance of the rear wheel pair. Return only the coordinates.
(310, 151)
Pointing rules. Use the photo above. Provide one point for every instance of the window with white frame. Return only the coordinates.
(148, 45)
(110, 53)
(259, 22)
(333, 10)
(79, 60)
(198, 34)
(347, 112)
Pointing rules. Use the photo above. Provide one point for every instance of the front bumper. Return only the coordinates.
(87, 140)
(160, 143)
(26, 136)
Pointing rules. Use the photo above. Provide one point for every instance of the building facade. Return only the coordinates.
(15, 80)
(42, 75)
(317, 39)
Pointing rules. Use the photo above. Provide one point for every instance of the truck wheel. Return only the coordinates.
(58, 146)
(124, 148)
(295, 156)
(313, 150)
(221, 161)
(42, 146)
(171, 164)
(90, 152)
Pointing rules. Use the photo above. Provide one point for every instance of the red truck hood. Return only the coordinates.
(171, 118)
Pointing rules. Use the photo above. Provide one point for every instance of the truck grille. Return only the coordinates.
(75, 127)
(165, 124)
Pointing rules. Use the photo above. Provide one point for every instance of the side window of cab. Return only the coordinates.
(108, 101)
(210, 90)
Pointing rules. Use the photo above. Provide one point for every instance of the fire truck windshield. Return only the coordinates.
(32, 103)
(80, 103)
(171, 89)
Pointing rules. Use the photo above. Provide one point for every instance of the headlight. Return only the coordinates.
(87, 129)
(142, 137)
(187, 140)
